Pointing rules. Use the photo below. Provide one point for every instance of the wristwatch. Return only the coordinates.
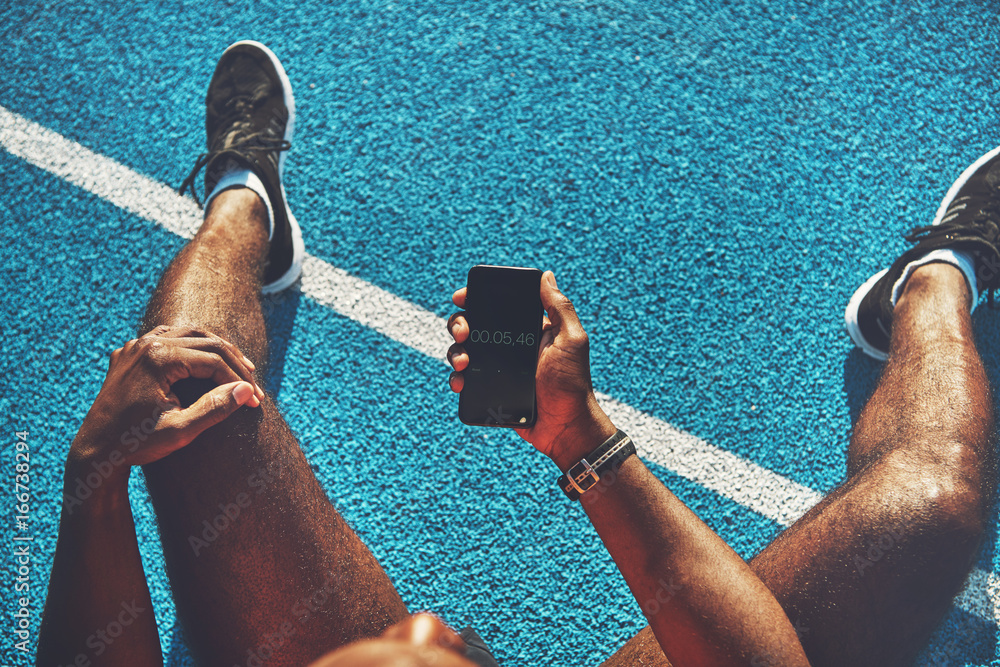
(608, 457)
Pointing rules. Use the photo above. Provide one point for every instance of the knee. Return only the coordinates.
(943, 495)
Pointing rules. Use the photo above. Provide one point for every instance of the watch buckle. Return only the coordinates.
(586, 476)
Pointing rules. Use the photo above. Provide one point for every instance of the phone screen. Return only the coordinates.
(504, 312)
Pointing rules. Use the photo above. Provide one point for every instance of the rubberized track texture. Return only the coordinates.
(709, 182)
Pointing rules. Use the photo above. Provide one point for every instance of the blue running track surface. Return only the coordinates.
(709, 182)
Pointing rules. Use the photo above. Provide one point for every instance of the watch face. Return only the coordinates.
(504, 311)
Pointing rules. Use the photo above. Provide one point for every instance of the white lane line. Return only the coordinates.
(762, 490)
(759, 489)
(98, 174)
(396, 318)
(981, 595)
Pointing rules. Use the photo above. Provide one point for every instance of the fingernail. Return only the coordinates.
(551, 277)
(242, 393)
(249, 363)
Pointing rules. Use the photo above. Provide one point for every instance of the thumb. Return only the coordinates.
(211, 408)
(558, 306)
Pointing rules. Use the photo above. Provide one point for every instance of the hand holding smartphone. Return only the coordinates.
(504, 312)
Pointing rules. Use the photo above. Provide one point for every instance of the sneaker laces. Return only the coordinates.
(237, 114)
(978, 235)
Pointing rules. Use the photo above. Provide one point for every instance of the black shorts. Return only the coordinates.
(476, 649)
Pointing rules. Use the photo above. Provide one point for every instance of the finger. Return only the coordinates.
(458, 326)
(175, 333)
(199, 339)
(559, 308)
(548, 337)
(458, 298)
(182, 362)
(207, 411)
(457, 357)
(114, 356)
(243, 366)
(456, 381)
(162, 330)
(167, 331)
(186, 334)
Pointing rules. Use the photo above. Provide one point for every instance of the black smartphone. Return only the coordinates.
(504, 311)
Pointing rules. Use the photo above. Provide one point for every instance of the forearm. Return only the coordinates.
(98, 603)
(704, 604)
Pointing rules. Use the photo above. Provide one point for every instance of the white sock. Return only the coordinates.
(960, 259)
(244, 178)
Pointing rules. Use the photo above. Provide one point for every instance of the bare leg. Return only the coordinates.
(259, 560)
(869, 572)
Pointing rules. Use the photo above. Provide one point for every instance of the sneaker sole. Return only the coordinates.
(298, 246)
(851, 312)
(851, 318)
(298, 255)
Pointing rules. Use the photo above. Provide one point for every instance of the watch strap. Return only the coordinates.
(581, 477)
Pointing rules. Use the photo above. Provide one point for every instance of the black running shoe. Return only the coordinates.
(967, 220)
(249, 117)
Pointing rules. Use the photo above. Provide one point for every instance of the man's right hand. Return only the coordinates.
(570, 423)
(137, 419)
